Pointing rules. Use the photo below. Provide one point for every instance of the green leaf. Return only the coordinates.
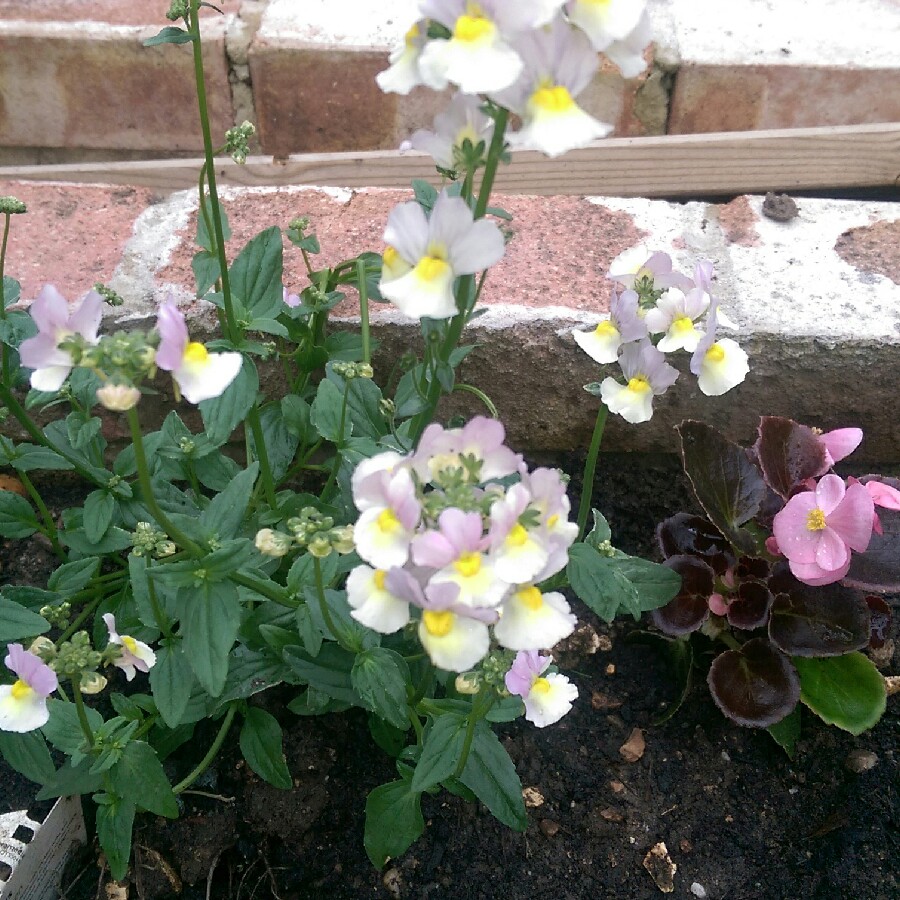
(223, 414)
(393, 821)
(786, 733)
(380, 677)
(206, 270)
(309, 632)
(363, 409)
(302, 573)
(115, 820)
(326, 412)
(210, 628)
(256, 275)
(296, 413)
(250, 672)
(72, 577)
(223, 517)
(655, 584)
(16, 327)
(441, 753)
(204, 238)
(17, 622)
(27, 754)
(261, 744)
(17, 519)
(329, 672)
(31, 457)
(491, 776)
(426, 195)
(138, 776)
(63, 729)
(169, 35)
(600, 533)
(349, 633)
(280, 442)
(70, 780)
(600, 584)
(113, 540)
(172, 681)
(847, 691)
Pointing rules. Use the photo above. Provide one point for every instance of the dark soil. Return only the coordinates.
(738, 818)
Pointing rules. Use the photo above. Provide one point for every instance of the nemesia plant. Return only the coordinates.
(782, 573)
(366, 553)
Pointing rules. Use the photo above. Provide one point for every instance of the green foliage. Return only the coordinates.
(261, 746)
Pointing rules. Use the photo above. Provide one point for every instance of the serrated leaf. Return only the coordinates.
(115, 820)
(261, 744)
(441, 752)
(63, 728)
(17, 519)
(328, 672)
(788, 453)
(18, 623)
(210, 628)
(70, 780)
(600, 585)
(846, 691)
(393, 821)
(225, 512)
(326, 412)
(72, 577)
(172, 681)
(223, 414)
(27, 754)
(138, 776)
(380, 677)
(490, 774)
(256, 275)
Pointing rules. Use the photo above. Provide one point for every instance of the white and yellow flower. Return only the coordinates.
(23, 704)
(547, 697)
(134, 656)
(402, 75)
(530, 618)
(721, 364)
(647, 375)
(372, 602)
(389, 514)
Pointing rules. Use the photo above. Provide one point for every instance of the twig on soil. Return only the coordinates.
(209, 875)
(273, 884)
(209, 795)
(63, 891)
(248, 870)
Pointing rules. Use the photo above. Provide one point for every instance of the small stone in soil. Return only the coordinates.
(600, 700)
(611, 815)
(861, 760)
(661, 868)
(698, 890)
(549, 827)
(883, 656)
(633, 749)
(685, 845)
(610, 669)
(533, 797)
(393, 882)
(779, 207)
(617, 787)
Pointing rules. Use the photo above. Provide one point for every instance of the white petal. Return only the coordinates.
(403, 74)
(24, 714)
(203, 381)
(460, 648)
(632, 406)
(380, 539)
(417, 296)
(556, 133)
(50, 378)
(477, 67)
(544, 707)
(719, 376)
(601, 344)
(522, 627)
(374, 607)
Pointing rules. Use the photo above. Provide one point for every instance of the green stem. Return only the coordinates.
(323, 604)
(143, 471)
(363, 309)
(4, 353)
(590, 467)
(49, 524)
(493, 161)
(340, 442)
(233, 329)
(204, 763)
(268, 590)
(159, 615)
(262, 454)
(416, 723)
(471, 389)
(729, 640)
(478, 712)
(82, 715)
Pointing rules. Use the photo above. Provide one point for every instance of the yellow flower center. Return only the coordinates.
(412, 34)
(129, 643)
(387, 521)
(517, 536)
(431, 268)
(195, 352)
(541, 686)
(21, 690)
(815, 521)
(468, 565)
(379, 578)
(390, 256)
(474, 27)
(683, 324)
(531, 597)
(553, 99)
(638, 385)
(438, 623)
(606, 329)
(715, 354)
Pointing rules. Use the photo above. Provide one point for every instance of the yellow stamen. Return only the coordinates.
(606, 329)
(553, 99)
(379, 578)
(438, 623)
(387, 521)
(639, 385)
(430, 268)
(468, 565)
(517, 536)
(551, 522)
(412, 34)
(541, 686)
(531, 597)
(715, 354)
(195, 353)
(129, 643)
(473, 28)
(683, 324)
(21, 690)
(815, 520)
(390, 256)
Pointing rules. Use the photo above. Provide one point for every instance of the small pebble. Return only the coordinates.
(392, 882)
(633, 749)
(698, 890)
(604, 644)
(549, 827)
(861, 760)
(685, 845)
(533, 797)
(600, 700)
(610, 669)
(616, 787)
(611, 815)
(661, 868)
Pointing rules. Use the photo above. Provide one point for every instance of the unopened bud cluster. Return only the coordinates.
(237, 141)
(311, 530)
(351, 370)
(57, 615)
(12, 206)
(109, 295)
(178, 9)
(76, 656)
(148, 541)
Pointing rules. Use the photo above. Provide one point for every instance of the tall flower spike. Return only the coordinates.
(42, 352)
(648, 375)
(199, 374)
(559, 65)
(23, 704)
(434, 251)
(134, 656)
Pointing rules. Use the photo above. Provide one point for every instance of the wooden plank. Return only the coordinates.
(668, 166)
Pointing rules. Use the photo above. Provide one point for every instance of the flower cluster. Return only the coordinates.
(656, 311)
(122, 360)
(446, 543)
(532, 58)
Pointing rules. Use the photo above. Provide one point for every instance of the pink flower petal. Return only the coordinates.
(829, 492)
(852, 519)
(810, 573)
(840, 443)
(790, 530)
(883, 494)
(831, 553)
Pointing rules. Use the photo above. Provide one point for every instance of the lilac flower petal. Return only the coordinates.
(49, 310)
(173, 334)
(86, 319)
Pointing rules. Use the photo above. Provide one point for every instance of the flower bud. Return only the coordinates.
(12, 206)
(342, 539)
(468, 683)
(319, 546)
(272, 543)
(118, 397)
(92, 683)
(43, 647)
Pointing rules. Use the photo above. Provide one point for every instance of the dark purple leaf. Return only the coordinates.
(878, 569)
(689, 609)
(788, 453)
(755, 686)
(752, 567)
(880, 621)
(818, 621)
(727, 484)
(696, 536)
(750, 608)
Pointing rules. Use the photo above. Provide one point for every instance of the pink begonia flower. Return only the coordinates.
(817, 529)
(883, 495)
(559, 64)
(839, 443)
(547, 698)
(462, 119)
(23, 704)
(717, 605)
(424, 256)
(51, 315)
(135, 656)
(199, 374)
